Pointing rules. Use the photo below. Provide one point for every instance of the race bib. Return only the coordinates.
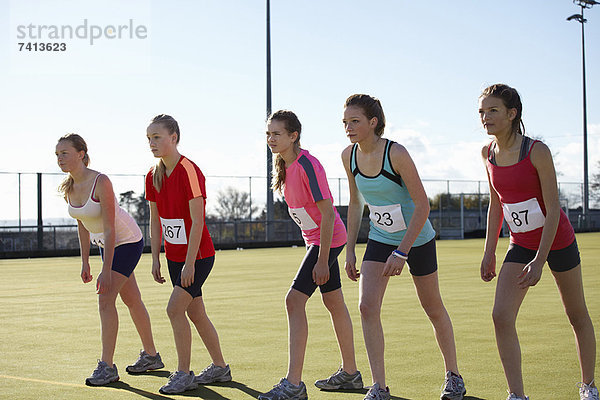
(173, 230)
(524, 216)
(301, 217)
(97, 239)
(389, 218)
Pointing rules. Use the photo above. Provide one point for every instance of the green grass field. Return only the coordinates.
(49, 329)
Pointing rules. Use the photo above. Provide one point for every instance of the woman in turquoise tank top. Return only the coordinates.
(383, 174)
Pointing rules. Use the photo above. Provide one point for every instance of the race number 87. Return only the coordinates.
(515, 217)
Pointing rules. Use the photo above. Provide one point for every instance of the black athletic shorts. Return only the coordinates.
(126, 257)
(304, 282)
(422, 260)
(559, 260)
(202, 268)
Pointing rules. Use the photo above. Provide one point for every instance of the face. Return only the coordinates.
(161, 141)
(356, 124)
(494, 115)
(278, 138)
(67, 157)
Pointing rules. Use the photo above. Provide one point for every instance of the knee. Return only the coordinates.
(435, 312)
(293, 303)
(131, 300)
(369, 309)
(174, 312)
(333, 304)
(578, 318)
(105, 302)
(503, 319)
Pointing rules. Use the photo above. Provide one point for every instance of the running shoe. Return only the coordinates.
(587, 392)
(212, 374)
(179, 382)
(341, 380)
(377, 393)
(512, 396)
(145, 362)
(453, 388)
(103, 375)
(284, 390)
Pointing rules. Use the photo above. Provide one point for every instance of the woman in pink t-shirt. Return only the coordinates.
(304, 183)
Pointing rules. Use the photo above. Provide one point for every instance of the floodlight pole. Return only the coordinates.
(579, 17)
(269, 205)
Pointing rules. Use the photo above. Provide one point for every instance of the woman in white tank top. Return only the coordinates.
(92, 202)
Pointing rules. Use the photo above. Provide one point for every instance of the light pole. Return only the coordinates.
(269, 155)
(579, 18)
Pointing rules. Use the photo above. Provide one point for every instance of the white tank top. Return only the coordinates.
(90, 215)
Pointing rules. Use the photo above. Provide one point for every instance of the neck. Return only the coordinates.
(290, 155)
(170, 160)
(369, 144)
(80, 174)
(506, 140)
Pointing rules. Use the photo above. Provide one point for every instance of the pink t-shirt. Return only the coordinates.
(305, 184)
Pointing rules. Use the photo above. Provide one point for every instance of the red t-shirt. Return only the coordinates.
(520, 192)
(186, 182)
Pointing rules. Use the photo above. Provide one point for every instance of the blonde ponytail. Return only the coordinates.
(158, 175)
(278, 174)
(78, 144)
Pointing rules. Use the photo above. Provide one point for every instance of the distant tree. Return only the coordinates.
(234, 204)
(595, 185)
(452, 201)
(137, 207)
(280, 210)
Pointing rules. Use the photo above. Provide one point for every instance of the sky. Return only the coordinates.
(203, 62)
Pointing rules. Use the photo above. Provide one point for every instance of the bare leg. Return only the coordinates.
(372, 288)
(428, 291)
(506, 307)
(178, 303)
(570, 287)
(206, 330)
(130, 294)
(109, 318)
(295, 302)
(342, 324)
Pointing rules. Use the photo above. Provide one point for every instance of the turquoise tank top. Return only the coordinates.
(390, 205)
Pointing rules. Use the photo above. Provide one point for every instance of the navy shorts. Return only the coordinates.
(303, 282)
(558, 260)
(126, 257)
(422, 260)
(202, 268)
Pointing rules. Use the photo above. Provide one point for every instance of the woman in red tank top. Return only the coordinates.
(523, 190)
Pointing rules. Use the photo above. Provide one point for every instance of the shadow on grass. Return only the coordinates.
(362, 391)
(159, 373)
(473, 398)
(149, 395)
(204, 391)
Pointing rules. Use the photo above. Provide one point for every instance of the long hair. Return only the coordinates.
(159, 170)
(79, 144)
(292, 124)
(511, 99)
(371, 107)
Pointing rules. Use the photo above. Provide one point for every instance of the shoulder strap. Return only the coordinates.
(94, 188)
(491, 155)
(391, 174)
(353, 163)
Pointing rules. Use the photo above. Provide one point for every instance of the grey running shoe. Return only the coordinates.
(212, 374)
(587, 392)
(145, 362)
(341, 380)
(377, 393)
(179, 382)
(512, 396)
(453, 388)
(102, 375)
(284, 390)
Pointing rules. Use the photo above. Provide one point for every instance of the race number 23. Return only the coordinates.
(524, 216)
(389, 218)
(173, 230)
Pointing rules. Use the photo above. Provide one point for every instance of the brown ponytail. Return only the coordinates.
(159, 170)
(79, 144)
(292, 124)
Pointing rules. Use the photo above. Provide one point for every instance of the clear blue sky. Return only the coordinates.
(204, 63)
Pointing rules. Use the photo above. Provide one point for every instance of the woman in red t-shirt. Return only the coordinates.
(175, 188)
(523, 190)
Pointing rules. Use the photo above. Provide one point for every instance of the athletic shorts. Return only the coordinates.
(202, 268)
(126, 257)
(559, 260)
(422, 260)
(303, 282)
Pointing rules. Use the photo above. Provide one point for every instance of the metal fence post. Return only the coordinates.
(40, 221)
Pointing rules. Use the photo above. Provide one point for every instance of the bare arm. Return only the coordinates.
(354, 218)
(321, 268)
(155, 240)
(84, 245)
(106, 196)
(494, 225)
(197, 214)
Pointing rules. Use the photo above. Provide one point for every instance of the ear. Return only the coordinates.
(294, 136)
(512, 113)
(373, 122)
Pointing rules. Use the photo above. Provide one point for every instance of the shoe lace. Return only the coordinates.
(586, 389)
(98, 369)
(174, 375)
(450, 384)
(373, 394)
(207, 369)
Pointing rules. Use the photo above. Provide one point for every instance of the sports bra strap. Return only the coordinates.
(353, 163)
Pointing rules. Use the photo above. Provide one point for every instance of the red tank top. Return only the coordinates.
(518, 187)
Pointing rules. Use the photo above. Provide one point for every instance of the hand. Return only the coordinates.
(531, 274)
(393, 266)
(488, 267)
(156, 272)
(350, 266)
(86, 275)
(187, 275)
(320, 272)
(103, 282)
